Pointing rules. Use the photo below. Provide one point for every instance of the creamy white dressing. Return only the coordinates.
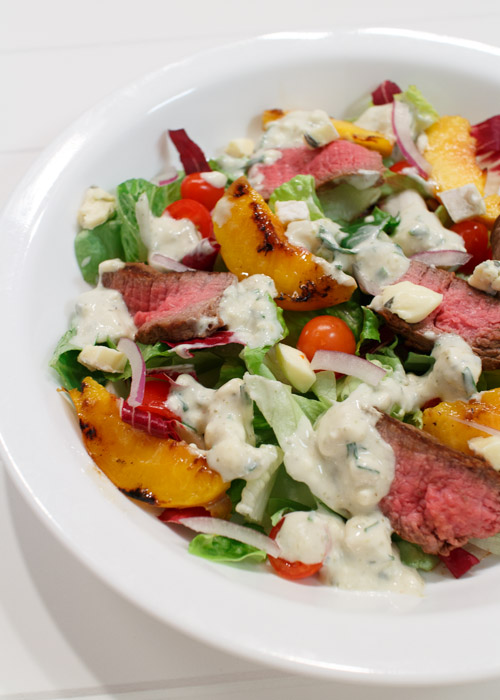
(171, 237)
(101, 314)
(296, 126)
(419, 229)
(224, 418)
(247, 309)
(375, 258)
(356, 555)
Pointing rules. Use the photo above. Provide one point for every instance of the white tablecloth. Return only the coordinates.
(63, 633)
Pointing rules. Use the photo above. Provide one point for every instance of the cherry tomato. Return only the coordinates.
(292, 570)
(399, 166)
(195, 187)
(195, 212)
(477, 243)
(326, 333)
(155, 396)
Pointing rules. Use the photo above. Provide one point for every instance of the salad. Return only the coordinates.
(293, 349)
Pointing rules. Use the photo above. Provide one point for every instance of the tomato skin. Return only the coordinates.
(326, 333)
(195, 187)
(195, 212)
(155, 396)
(291, 570)
(399, 166)
(476, 241)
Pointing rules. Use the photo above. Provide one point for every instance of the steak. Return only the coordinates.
(495, 239)
(464, 311)
(439, 498)
(170, 306)
(336, 160)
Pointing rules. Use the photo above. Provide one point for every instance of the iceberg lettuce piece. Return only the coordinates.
(300, 188)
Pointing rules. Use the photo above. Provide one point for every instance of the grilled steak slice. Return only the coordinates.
(439, 498)
(336, 160)
(464, 311)
(170, 306)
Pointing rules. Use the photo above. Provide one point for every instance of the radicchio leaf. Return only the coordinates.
(487, 135)
(385, 93)
(152, 423)
(203, 256)
(459, 561)
(192, 157)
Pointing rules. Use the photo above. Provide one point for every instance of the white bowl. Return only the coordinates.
(215, 96)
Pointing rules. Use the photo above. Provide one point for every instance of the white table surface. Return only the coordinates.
(63, 633)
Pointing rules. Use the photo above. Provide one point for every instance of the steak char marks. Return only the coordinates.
(439, 498)
(170, 306)
(464, 311)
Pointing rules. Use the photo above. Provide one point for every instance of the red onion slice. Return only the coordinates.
(203, 256)
(216, 526)
(478, 426)
(366, 284)
(138, 367)
(442, 258)
(351, 365)
(401, 124)
(163, 262)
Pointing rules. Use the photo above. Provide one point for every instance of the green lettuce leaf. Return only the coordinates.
(223, 549)
(300, 188)
(423, 112)
(343, 203)
(127, 195)
(414, 556)
(94, 246)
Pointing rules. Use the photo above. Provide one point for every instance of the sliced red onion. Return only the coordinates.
(385, 92)
(203, 256)
(443, 258)
(216, 526)
(401, 124)
(478, 426)
(138, 367)
(192, 157)
(152, 423)
(366, 284)
(351, 365)
(170, 175)
(163, 262)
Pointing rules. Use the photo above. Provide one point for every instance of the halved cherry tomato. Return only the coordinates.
(477, 243)
(326, 333)
(399, 166)
(195, 212)
(292, 570)
(155, 396)
(195, 187)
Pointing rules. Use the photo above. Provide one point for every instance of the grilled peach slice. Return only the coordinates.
(253, 241)
(451, 151)
(440, 420)
(160, 471)
(373, 140)
(492, 203)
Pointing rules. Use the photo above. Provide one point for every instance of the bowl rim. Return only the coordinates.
(25, 207)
